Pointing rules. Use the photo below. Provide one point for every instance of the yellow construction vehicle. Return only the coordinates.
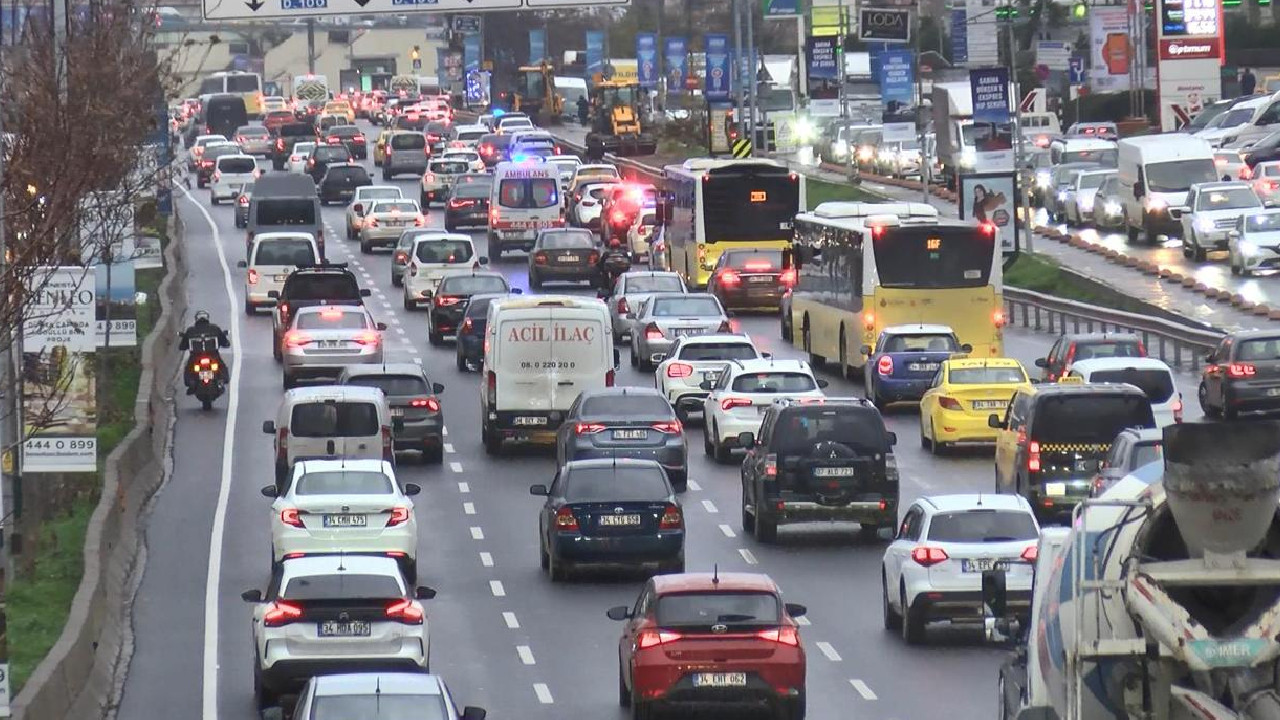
(615, 121)
(536, 95)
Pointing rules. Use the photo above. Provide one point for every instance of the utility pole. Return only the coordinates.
(735, 70)
(921, 127)
(1022, 214)
(849, 149)
(753, 77)
(311, 45)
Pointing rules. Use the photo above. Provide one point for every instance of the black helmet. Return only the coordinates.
(202, 315)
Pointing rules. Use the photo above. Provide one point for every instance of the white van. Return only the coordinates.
(430, 258)
(1040, 128)
(330, 422)
(1156, 172)
(570, 88)
(271, 258)
(1077, 149)
(1150, 375)
(525, 199)
(540, 353)
(1265, 120)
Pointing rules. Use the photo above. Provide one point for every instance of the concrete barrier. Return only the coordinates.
(79, 678)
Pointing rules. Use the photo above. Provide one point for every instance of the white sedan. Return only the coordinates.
(297, 163)
(740, 396)
(345, 506)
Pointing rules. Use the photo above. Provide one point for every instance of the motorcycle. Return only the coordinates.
(208, 385)
(613, 263)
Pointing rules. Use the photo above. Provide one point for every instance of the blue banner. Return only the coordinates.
(677, 61)
(595, 54)
(537, 46)
(959, 37)
(716, 84)
(824, 61)
(898, 94)
(471, 52)
(992, 122)
(647, 59)
(781, 8)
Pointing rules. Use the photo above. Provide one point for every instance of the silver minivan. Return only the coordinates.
(407, 152)
(330, 422)
(271, 258)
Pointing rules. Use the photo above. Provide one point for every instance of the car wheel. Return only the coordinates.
(640, 710)
(558, 570)
(936, 446)
(1199, 253)
(912, 624)
(265, 698)
(213, 200)
(288, 381)
(1205, 407)
(784, 324)
(365, 248)
(1132, 235)
(435, 338)
(450, 227)
(766, 526)
(673, 567)
(432, 454)
(706, 441)
(249, 309)
(397, 281)
(460, 360)
(720, 452)
(492, 441)
(868, 533)
(624, 695)
(1002, 705)
(409, 304)
(748, 520)
(892, 618)
(386, 174)
(635, 361)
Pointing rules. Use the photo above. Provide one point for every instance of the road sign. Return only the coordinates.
(466, 23)
(261, 9)
(742, 148)
(1076, 64)
(417, 63)
(1055, 55)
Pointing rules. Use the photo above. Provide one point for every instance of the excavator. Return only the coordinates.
(615, 121)
(536, 95)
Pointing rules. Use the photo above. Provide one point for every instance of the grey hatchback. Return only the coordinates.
(413, 402)
(625, 422)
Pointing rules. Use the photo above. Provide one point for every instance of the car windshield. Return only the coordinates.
(334, 419)
(408, 141)
(345, 131)
(473, 285)
(799, 429)
(718, 351)
(625, 406)
(332, 319)
(653, 283)
(686, 306)
(1156, 383)
(1269, 170)
(986, 376)
(443, 251)
(1227, 199)
(1179, 175)
(920, 343)
(976, 526)
(1232, 118)
(614, 484)
(343, 482)
(1091, 417)
(395, 206)
(1259, 349)
(392, 385)
(706, 609)
(449, 167)
(257, 131)
(1262, 222)
(1091, 180)
(331, 153)
(342, 586)
(1115, 348)
(471, 191)
(237, 165)
(569, 239)
(774, 382)
(345, 171)
(294, 251)
(384, 706)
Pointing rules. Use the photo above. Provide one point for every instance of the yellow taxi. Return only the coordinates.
(380, 147)
(341, 107)
(965, 393)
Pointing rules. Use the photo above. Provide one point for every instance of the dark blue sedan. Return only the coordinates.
(904, 361)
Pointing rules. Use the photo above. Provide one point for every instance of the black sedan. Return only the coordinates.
(467, 206)
(444, 314)
(625, 422)
(563, 254)
(493, 148)
(350, 137)
(609, 512)
(340, 182)
(469, 349)
(324, 156)
(744, 279)
(242, 207)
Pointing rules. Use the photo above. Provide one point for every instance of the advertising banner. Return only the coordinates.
(595, 53)
(959, 36)
(719, 62)
(647, 60)
(781, 8)
(885, 25)
(537, 46)
(989, 199)
(60, 410)
(992, 121)
(1110, 48)
(824, 76)
(471, 52)
(115, 288)
(898, 95)
(677, 62)
(982, 42)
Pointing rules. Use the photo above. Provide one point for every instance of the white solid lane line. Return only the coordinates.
(495, 587)
(829, 651)
(543, 692)
(710, 506)
(526, 654)
(510, 619)
(728, 531)
(862, 689)
(486, 559)
(747, 556)
(477, 533)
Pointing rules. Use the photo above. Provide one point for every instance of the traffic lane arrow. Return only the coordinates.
(256, 5)
(362, 3)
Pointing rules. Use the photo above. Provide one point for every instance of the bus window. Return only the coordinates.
(933, 258)
(747, 206)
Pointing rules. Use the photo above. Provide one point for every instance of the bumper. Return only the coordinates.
(1161, 224)
(302, 542)
(765, 297)
(959, 427)
(1261, 260)
(552, 272)
(965, 606)
(731, 426)
(258, 298)
(444, 321)
(466, 219)
(418, 432)
(902, 390)
(519, 239)
(286, 675)
(654, 351)
(403, 168)
(665, 545)
(1254, 396)
(471, 347)
(767, 683)
(386, 237)
(880, 511)
(337, 194)
(1212, 239)
(326, 366)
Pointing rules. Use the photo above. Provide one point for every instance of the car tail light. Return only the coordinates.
(1033, 456)
(623, 308)
(785, 635)
(654, 638)
(293, 338)
(217, 175)
(679, 370)
(1030, 553)
(670, 427)
(788, 277)
(431, 177)
(610, 376)
(730, 403)
(281, 613)
(653, 332)
(588, 428)
(884, 365)
(408, 612)
(1241, 370)
(869, 320)
(725, 327)
(949, 403)
(280, 144)
(371, 222)
(466, 326)
(240, 138)
(672, 519)
(290, 517)
(282, 442)
(368, 337)
(399, 516)
(456, 204)
(1177, 409)
(492, 381)
(730, 277)
(997, 318)
(593, 258)
(771, 465)
(402, 256)
(927, 556)
(447, 300)
(493, 216)
(431, 404)
(540, 258)
(1246, 172)
(618, 217)
(244, 200)
(565, 520)
(359, 139)
(253, 276)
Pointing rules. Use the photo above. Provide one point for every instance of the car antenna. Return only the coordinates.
(979, 499)
(377, 694)
(715, 574)
(342, 559)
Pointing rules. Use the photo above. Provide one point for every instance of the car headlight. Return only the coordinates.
(1062, 195)
(1111, 207)
(1204, 224)
(804, 129)
(1247, 247)
(1155, 204)
(1043, 179)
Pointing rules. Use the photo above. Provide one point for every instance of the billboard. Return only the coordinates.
(115, 289)
(595, 53)
(992, 121)
(676, 55)
(885, 25)
(471, 52)
(1190, 54)
(959, 36)
(719, 62)
(59, 402)
(898, 95)
(1111, 49)
(824, 76)
(647, 59)
(990, 199)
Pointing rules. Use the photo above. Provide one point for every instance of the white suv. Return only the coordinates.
(697, 358)
(742, 394)
(345, 506)
(335, 613)
(932, 571)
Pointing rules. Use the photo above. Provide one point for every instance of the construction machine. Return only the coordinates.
(615, 121)
(535, 93)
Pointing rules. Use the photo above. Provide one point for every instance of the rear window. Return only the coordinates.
(297, 130)
(1156, 384)
(606, 484)
(329, 319)
(975, 526)
(334, 419)
(986, 376)
(396, 206)
(285, 252)
(719, 608)
(718, 351)
(472, 190)
(596, 172)
(443, 251)
(767, 260)
(236, 165)
(323, 287)
(342, 482)
(1260, 349)
(345, 171)
(383, 707)
(286, 211)
(392, 385)
(473, 285)
(530, 193)
(345, 131)
(686, 306)
(449, 167)
(408, 142)
(437, 128)
(568, 240)
(1107, 349)
(919, 343)
(342, 586)
(1090, 417)
(654, 283)
(624, 406)
(774, 382)
(331, 153)
(257, 131)
(478, 309)
(797, 431)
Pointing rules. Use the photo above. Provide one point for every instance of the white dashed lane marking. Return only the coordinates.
(477, 533)
(526, 654)
(448, 447)
(463, 487)
(829, 651)
(710, 506)
(486, 559)
(510, 619)
(400, 330)
(803, 621)
(543, 692)
(455, 467)
(694, 486)
(746, 555)
(728, 531)
(495, 587)
(469, 508)
(862, 689)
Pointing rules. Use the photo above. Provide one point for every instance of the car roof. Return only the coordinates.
(1255, 335)
(364, 465)
(972, 362)
(321, 393)
(615, 462)
(623, 391)
(366, 188)
(472, 272)
(1059, 389)
(284, 235)
(335, 564)
(764, 364)
(720, 581)
(648, 273)
(368, 683)
(972, 501)
(441, 236)
(1092, 365)
(392, 368)
(922, 328)
(1232, 185)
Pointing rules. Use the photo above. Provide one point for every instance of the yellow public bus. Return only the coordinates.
(245, 84)
(715, 205)
(863, 267)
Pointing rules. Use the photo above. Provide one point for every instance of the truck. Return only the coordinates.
(953, 124)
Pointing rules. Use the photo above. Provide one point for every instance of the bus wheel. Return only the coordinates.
(845, 370)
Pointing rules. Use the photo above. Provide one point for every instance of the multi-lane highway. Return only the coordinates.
(503, 636)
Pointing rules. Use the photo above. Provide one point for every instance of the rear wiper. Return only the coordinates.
(735, 618)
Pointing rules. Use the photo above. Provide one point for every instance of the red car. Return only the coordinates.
(711, 638)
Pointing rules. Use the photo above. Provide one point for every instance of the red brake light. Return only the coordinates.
(293, 338)
(399, 516)
(447, 300)
(884, 365)
(290, 516)
(244, 200)
(281, 613)
(402, 256)
(1177, 409)
(1031, 553)
(733, 402)
(788, 277)
(1241, 370)
(253, 276)
(588, 428)
(492, 381)
(949, 403)
(730, 277)
(540, 258)
(671, 519)
(610, 376)
(1033, 456)
(405, 611)
(997, 318)
(679, 370)
(654, 638)
(671, 427)
(653, 332)
(466, 325)
(869, 320)
(786, 635)
(927, 556)
(429, 403)
(565, 520)
(368, 337)
(623, 309)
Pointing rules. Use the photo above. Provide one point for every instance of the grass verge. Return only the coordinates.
(820, 191)
(40, 598)
(1041, 274)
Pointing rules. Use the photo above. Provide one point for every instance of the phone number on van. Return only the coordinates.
(549, 365)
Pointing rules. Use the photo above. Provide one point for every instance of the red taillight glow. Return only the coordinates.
(565, 520)
(540, 258)
(788, 277)
(281, 613)
(290, 517)
(399, 516)
(927, 556)
(610, 376)
(405, 611)
(1033, 456)
(949, 403)
(653, 332)
(588, 428)
(368, 337)
(294, 338)
(431, 404)
(253, 276)
(730, 278)
(679, 370)
(1177, 409)
(785, 635)
(733, 402)
(1241, 370)
(997, 318)
(671, 427)
(654, 638)
(869, 320)
(466, 326)
(672, 519)
(1030, 553)
(447, 300)
(884, 365)
(244, 200)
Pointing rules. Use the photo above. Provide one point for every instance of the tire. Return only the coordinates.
(277, 165)
(559, 570)
(435, 338)
(912, 626)
(213, 200)
(793, 709)
(766, 527)
(461, 362)
(635, 362)
(784, 327)
(935, 447)
(892, 618)
(365, 248)
(1208, 410)
(706, 441)
(432, 455)
(868, 533)
(624, 695)
(397, 281)
(1132, 235)
(1002, 705)
(275, 350)
(386, 174)
(640, 710)
(719, 451)
(674, 567)
(206, 404)
(492, 442)
(450, 227)
(748, 520)
(544, 560)
(263, 696)
(287, 381)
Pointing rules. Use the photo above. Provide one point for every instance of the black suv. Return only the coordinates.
(340, 182)
(310, 285)
(325, 155)
(829, 459)
(286, 136)
(350, 136)
(1071, 347)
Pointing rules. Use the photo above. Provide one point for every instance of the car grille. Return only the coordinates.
(1224, 223)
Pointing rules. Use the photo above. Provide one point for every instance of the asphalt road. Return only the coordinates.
(503, 636)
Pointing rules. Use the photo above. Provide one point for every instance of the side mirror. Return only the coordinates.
(273, 294)
(966, 348)
(484, 260)
(364, 292)
(517, 291)
(823, 384)
(705, 385)
(766, 356)
(269, 427)
(437, 388)
(796, 610)
(471, 712)
(539, 490)
(619, 612)
(993, 421)
(617, 358)
(1210, 358)
(242, 264)
(865, 350)
(1042, 362)
(422, 592)
(411, 489)
(270, 491)
(892, 437)
(746, 439)
(397, 425)
(994, 595)
(251, 596)
(382, 327)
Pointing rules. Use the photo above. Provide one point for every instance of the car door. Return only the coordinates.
(1116, 464)
(1050, 368)
(1188, 218)
(1007, 442)
(565, 432)
(547, 514)
(639, 615)
(905, 540)
(755, 457)
(1215, 371)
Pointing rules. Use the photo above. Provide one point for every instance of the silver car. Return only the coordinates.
(664, 317)
(254, 140)
(1083, 190)
(322, 340)
(385, 220)
(439, 177)
(633, 288)
(404, 246)
(360, 202)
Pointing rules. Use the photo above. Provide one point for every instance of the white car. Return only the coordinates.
(1150, 375)
(232, 174)
(470, 134)
(639, 234)
(590, 203)
(932, 571)
(335, 613)
(695, 358)
(362, 200)
(1083, 190)
(472, 158)
(1253, 243)
(345, 506)
(430, 258)
(1214, 209)
(374, 694)
(567, 165)
(271, 258)
(197, 148)
(297, 162)
(743, 393)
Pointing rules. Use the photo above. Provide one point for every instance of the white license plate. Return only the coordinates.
(679, 332)
(619, 520)
(835, 472)
(341, 521)
(922, 367)
(354, 628)
(280, 278)
(568, 258)
(530, 421)
(331, 344)
(711, 377)
(720, 680)
(397, 412)
(1055, 489)
(760, 278)
(990, 404)
(1273, 392)
(980, 565)
(630, 434)
(206, 376)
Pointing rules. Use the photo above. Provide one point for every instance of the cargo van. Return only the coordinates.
(525, 199)
(1156, 173)
(285, 203)
(1227, 126)
(331, 422)
(540, 354)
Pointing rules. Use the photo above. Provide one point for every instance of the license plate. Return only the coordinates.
(720, 680)
(619, 520)
(980, 565)
(760, 278)
(834, 472)
(688, 331)
(341, 521)
(1273, 392)
(354, 628)
(206, 376)
(330, 344)
(990, 404)
(923, 367)
(397, 412)
(530, 421)
(568, 258)
(280, 278)
(711, 377)
(1055, 489)
(630, 434)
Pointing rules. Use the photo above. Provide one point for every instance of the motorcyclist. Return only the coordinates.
(201, 339)
(613, 262)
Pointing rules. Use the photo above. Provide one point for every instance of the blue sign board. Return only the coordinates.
(1077, 70)
(537, 46)
(992, 121)
(442, 70)
(304, 4)
(824, 60)
(677, 62)
(781, 8)
(471, 51)
(719, 62)
(959, 37)
(898, 94)
(595, 52)
(647, 59)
